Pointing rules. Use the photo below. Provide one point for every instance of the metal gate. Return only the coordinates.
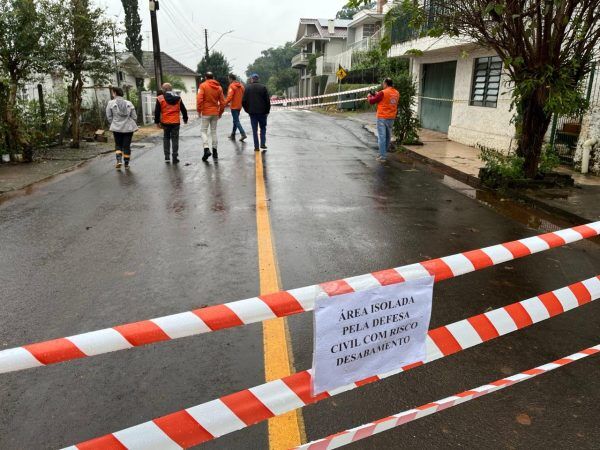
(437, 94)
(566, 129)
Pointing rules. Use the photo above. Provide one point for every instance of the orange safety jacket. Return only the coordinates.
(387, 107)
(236, 93)
(169, 114)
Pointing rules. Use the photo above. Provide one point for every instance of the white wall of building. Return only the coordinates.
(472, 125)
(189, 97)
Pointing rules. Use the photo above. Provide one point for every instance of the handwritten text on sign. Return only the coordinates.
(372, 332)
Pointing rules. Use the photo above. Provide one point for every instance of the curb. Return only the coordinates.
(512, 193)
(476, 183)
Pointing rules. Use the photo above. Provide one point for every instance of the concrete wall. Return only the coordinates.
(472, 125)
(590, 129)
(335, 47)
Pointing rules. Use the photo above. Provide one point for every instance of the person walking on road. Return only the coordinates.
(210, 104)
(234, 98)
(122, 117)
(169, 107)
(257, 104)
(387, 109)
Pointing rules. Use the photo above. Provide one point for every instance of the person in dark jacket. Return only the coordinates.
(168, 109)
(257, 104)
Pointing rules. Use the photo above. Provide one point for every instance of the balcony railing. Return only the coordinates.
(325, 66)
(301, 60)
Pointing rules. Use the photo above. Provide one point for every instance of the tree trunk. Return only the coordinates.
(76, 88)
(534, 125)
(12, 128)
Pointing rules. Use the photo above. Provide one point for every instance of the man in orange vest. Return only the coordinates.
(210, 103)
(387, 109)
(166, 116)
(234, 97)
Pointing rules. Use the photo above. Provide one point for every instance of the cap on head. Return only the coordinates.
(167, 87)
(254, 77)
(209, 76)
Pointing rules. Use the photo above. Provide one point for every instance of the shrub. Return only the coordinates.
(501, 166)
(406, 125)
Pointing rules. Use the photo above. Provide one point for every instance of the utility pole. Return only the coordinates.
(115, 56)
(158, 73)
(206, 42)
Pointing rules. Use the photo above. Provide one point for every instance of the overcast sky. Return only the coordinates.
(257, 25)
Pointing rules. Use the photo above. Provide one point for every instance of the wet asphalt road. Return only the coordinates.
(98, 248)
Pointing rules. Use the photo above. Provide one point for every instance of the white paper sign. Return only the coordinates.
(372, 332)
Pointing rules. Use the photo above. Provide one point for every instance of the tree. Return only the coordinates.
(347, 12)
(83, 51)
(133, 39)
(218, 65)
(24, 49)
(175, 81)
(547, 47)
(275, 67)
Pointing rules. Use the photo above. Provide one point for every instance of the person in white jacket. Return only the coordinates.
(122, 118)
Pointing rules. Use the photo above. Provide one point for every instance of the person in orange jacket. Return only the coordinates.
(387, 109)
(210, 104)
(234, 98)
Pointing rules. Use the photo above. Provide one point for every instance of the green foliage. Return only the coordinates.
(43, 133)
(279, 82)
(347, 12)
(218, 65)
(83, 49)
(275, 67)
(549, 160)
(176, 82)
(499, 165)
(25, 48)
(133, 28)
(406, 125)
(312, 63)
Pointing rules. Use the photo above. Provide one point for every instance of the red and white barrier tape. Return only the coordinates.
(333, 94)
(278, 304)
(318, 105)
(356, 434)
(198, 424)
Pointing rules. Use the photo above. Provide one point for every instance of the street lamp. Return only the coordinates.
(221, 37)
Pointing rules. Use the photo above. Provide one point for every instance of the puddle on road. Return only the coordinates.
(527, 215)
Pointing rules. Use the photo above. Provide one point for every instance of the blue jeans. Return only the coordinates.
(259, 120)
(384, 135)
(237, 125)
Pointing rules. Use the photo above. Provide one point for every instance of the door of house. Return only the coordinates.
(437, 89)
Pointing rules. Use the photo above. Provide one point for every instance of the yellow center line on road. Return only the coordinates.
(285, 431)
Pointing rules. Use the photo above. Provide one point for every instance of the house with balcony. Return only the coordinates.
(318, 38)
(463, 88)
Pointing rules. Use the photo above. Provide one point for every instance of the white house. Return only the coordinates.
(127, 70)
(463, 89)
(318, 37)
(171, 66)
(364, 33)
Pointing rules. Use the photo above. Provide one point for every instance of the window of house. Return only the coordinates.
(486, 81)
(369, 30)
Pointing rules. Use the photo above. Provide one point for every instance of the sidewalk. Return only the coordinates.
(55, 161)
(462, 162)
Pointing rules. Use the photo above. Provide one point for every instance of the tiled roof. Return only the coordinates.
(322, 25)
(169, 65)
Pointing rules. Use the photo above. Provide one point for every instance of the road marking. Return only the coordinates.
(285, 431)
